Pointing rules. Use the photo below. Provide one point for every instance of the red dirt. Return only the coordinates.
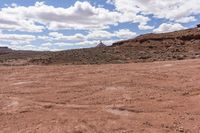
(158, 97)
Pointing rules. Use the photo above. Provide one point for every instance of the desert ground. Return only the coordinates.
(156, 97)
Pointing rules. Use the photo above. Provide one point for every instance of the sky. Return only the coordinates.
(52, 25)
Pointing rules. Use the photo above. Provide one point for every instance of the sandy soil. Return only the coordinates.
(159, 97)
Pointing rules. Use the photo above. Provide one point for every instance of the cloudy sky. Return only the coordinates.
(68, 24)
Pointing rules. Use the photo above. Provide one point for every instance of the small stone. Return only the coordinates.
(181, 129)
(186, 93)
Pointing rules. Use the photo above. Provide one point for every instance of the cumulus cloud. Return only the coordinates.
(186, 19)
(99, 35)
(82, 15)
(174, 10)
(102, 34)
(91, 39)
(145, 27)
(13, 22)
(55, 36)
(48, 44)
(95, 35)
(131, 13)
(168, 27)
(125, 34)
(16, 37)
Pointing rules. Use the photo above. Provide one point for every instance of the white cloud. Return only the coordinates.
(145, 27)
(96, 35)
(48, 44)
(130, 13)
(186, 19)
(99, 35)
(30, 47)
(16, 37)
(12, 22)
(82, 15)
(43, 37)
(103, 35)
(168, 27)
(55, 36)
(174, 10)
(61, 41)
(125, 34)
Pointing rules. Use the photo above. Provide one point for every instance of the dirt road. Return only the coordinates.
(159, 97)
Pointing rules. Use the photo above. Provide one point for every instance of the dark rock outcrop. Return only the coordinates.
(5, 49)
(100, 45)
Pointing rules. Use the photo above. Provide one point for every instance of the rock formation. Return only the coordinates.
(101, 44)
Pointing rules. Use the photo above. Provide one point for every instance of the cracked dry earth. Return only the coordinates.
(159, 97)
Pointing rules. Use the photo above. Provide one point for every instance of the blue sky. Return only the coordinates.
(68, 24)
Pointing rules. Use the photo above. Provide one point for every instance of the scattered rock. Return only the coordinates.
(181, 129)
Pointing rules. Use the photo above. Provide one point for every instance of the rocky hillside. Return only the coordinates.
(8, 55)
(177, 45)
